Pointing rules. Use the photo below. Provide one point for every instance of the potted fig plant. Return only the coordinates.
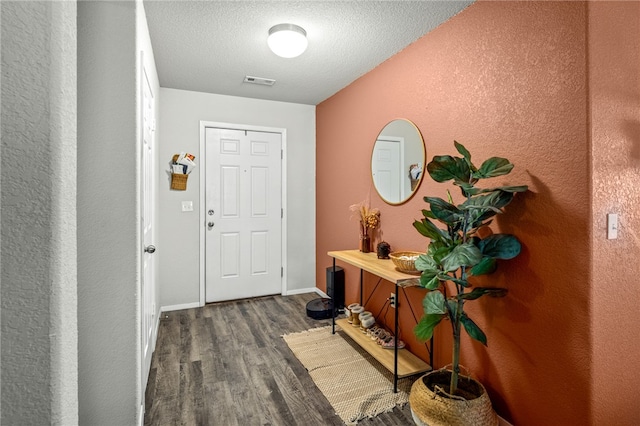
(456, 253)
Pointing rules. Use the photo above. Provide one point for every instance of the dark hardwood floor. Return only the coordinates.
(227, 364)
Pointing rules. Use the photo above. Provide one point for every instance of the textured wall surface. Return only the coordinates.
(26, 213)
(108, 233)
(614, 94)
(505, 79)
(39, 329)
(180, 115)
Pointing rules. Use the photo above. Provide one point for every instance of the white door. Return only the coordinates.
(147, 293)
(386, 169)
(243, 212)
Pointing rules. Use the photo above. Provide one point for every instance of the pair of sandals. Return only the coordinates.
(384, 338)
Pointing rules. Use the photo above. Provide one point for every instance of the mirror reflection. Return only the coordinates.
(397, 161)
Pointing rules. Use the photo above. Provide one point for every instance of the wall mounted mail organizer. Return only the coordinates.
(181, 165)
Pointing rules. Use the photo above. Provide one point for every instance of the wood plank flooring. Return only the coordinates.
(226, 364)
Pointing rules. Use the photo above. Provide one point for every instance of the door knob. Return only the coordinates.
(210, 225)
(150, 249)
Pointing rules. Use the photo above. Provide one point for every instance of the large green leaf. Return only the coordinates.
(486, 266)
(519, 188)
(429, 229)
(465, 254)
(433, 303)
(494, 200)
(424, 262)
(494, 166)
(467, 189)
(473, 330)
(444, 211)
(428, 214)
(445, 167)
(462, 150)
(483, 207)
(481, 291)
(439, 251)
(429, 280)
(424, 329)
(500, 246)
(480, 222)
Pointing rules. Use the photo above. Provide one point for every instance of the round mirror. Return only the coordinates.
(397, 161)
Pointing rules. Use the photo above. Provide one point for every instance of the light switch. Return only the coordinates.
(187, 206)
(612, 226)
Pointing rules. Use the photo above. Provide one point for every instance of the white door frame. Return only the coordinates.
(283, 186)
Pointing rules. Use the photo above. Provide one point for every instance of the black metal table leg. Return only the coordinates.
(431, 352)
(395, 345)
(332, 301)
(361, 281)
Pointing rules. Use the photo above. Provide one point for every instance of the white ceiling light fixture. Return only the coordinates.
(287, 40)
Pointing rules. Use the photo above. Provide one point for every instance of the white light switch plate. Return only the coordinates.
(612, 226)
(187, 206)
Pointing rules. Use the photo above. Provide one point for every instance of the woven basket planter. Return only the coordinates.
(437, 408)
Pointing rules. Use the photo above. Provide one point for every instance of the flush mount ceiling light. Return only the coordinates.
(287, 40)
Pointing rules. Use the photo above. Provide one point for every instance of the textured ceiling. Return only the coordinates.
(209, 46)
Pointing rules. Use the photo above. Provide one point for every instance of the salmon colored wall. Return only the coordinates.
(505, 79)
(614, 95)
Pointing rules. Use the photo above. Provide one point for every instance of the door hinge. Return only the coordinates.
(282, 271)
(281, 213)
(282, 154)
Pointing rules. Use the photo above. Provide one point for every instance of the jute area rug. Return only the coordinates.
(354, 383)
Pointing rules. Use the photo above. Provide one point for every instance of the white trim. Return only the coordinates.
(203, 180)
(503, 422)
(179, 307)
(141, 415)
(285, 215)
(320, 292)
(155, 330)
(303, 291)
(230, 126)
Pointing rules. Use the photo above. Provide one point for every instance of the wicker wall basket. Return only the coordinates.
(437, 408)
(179, 181)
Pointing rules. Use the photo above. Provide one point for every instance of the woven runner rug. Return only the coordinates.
(354, 383)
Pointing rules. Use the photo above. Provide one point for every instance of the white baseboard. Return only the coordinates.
(180, 307)
(155, 329)
(301, 291)
(503, 422)
(320, 292)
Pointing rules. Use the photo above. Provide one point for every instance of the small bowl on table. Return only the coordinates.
(405, 261)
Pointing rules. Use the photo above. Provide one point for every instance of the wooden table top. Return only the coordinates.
(383, 268)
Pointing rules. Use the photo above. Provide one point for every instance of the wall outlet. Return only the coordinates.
(392, 300)
(187, 206)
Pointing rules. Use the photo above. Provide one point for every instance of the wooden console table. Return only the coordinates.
(401, 363)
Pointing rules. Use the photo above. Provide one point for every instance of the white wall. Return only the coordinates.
(108, 230)
(178, 251)
(38, 216)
